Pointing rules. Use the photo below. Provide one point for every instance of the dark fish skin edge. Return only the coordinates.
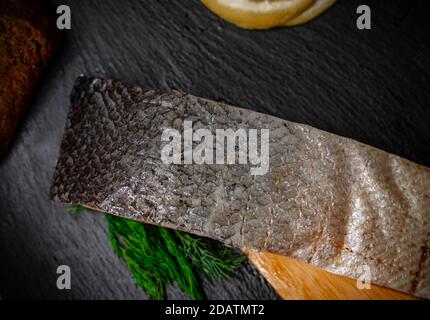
(328, 200)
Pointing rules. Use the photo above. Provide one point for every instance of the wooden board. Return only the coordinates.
(296, 280)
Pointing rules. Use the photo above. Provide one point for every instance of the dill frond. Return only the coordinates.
(158, 257)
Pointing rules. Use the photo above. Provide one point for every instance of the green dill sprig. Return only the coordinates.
(158, 257)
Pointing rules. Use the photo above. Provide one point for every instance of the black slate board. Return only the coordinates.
(368, 85)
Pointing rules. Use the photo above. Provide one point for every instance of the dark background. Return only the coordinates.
(372, 86)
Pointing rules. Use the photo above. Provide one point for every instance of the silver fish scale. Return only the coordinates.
(331, 201)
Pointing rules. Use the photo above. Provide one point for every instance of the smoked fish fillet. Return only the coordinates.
(330, 201)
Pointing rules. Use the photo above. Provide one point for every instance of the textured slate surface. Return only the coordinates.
(370, 85)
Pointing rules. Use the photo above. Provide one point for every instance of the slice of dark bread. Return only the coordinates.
(28, 39)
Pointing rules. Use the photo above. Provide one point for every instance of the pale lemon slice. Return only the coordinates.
(258, 14)
(311, 12)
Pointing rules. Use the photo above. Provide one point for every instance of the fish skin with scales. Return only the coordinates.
(328, 200)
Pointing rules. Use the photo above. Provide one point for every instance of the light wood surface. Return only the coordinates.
(296, 280)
